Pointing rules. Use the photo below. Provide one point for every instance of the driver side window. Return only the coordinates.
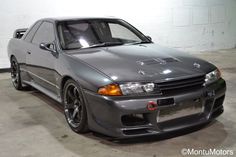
(45, 34)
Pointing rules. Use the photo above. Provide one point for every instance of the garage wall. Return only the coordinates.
(190, 25)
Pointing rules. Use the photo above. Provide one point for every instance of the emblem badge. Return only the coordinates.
(196, 65)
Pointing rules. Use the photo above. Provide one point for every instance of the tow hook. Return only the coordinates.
(152, 106)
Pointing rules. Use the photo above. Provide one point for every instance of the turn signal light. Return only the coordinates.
(110, 90)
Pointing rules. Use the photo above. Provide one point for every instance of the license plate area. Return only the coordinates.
(180, 109)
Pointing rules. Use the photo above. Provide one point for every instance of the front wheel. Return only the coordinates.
(15, 74)
(74, 107)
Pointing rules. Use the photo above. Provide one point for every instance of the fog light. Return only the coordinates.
(152, 106)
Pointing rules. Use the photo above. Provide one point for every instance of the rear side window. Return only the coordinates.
(45, 34)
(32, 31)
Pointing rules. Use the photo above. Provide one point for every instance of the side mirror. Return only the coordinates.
(48, 47)
(149, 38)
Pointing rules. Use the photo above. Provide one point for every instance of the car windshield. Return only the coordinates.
(97, 33)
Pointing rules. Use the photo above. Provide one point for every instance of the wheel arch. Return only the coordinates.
(11, 56)
(63, 81)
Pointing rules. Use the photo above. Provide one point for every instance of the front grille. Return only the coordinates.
(183, 85)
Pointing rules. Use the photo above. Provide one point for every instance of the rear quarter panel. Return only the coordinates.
(17, 48)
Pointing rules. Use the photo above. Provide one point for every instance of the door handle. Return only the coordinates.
(28, 52)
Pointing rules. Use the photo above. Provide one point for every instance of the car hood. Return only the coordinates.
(144, 62)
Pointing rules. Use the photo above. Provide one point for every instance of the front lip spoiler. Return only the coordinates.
(155, 135)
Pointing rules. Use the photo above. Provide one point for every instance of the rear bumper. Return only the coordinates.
(125, 117)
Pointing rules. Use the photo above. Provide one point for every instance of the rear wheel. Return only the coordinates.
(15, 74)
(74, 107)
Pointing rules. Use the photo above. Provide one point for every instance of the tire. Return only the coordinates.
(74, 107)
(15, 74)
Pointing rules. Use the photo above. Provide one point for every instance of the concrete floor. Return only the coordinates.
(31, 124)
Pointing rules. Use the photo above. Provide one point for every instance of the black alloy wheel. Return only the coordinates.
(74, 107)
(15, 74)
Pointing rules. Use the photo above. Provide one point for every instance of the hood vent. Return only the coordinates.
(168, 60)
(157, 61)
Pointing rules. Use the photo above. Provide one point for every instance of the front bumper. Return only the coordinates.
(125, 117)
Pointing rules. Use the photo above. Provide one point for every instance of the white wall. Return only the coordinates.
(190, 25)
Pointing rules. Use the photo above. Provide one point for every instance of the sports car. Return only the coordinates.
(112, 79)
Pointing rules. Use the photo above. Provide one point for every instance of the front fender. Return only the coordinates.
(87, 76)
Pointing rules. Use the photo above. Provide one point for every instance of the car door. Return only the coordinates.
(41, 63)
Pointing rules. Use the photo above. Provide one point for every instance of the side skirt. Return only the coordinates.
(44, 90)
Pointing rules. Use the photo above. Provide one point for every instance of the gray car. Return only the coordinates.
(112, 79)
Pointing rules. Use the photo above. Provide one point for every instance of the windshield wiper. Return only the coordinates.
(140, 42)
(104, 44)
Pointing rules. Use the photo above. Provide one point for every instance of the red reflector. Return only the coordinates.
(151, 106)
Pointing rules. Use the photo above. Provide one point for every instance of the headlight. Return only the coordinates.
(212, 76)
(126, 89)
(136, 88)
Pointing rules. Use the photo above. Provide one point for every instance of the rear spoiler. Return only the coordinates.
(19, 33)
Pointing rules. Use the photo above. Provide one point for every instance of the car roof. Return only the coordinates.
(57, 19)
